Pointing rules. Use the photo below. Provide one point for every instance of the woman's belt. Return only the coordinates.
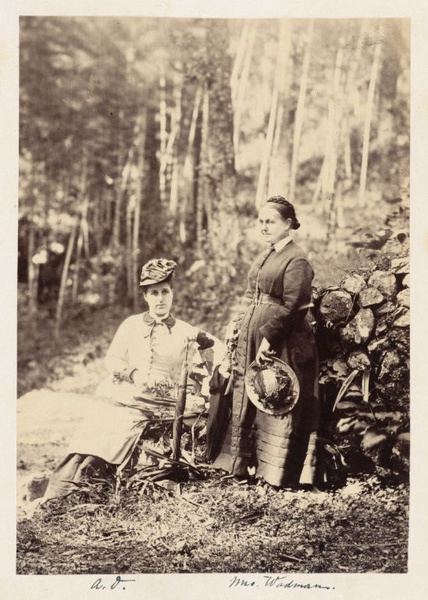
(266, 299)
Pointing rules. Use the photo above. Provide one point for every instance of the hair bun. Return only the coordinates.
(286, 210)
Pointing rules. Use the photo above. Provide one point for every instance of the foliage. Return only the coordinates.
(100, 76)
(365, 373)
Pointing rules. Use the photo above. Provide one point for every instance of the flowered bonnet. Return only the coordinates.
(156, 271)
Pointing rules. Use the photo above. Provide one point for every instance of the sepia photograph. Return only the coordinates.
(213, 296)
(213, 253)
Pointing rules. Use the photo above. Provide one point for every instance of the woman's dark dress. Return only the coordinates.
(281, 448)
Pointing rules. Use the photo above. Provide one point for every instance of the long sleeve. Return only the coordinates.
(297, 281)
(117, 358)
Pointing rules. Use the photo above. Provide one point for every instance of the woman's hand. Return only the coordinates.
(139, 379)
(225, 367)
(231, 330)
(265, 351)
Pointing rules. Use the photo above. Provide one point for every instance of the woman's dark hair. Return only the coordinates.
(285, 209)
(145, 288)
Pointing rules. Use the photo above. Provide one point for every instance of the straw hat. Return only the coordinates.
(272, 386)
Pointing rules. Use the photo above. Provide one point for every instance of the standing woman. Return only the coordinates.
(273, 321)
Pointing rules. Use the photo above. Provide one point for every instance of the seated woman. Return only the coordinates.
(144, 363)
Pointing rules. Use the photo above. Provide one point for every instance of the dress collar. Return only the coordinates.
(282, 243)
(169, 322)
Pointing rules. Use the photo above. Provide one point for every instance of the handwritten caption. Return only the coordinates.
(278, 581)
(118, 583)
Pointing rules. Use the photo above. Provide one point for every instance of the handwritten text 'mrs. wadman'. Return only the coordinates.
(275, 582)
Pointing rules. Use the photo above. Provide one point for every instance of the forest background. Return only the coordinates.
(153, 137)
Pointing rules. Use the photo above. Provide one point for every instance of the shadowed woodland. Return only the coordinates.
(142, 138)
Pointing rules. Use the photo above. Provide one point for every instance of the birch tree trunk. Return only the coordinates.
(264, 167)
(188, 175)
(349, 113)
(64, 277)
(172, 156)
(334, 135)
(163, 135)
(239, 58)
(130, 207)
(367, 124)
(336, 121)
(123, 183)
(261, 184)
(240, 95)
(325, 185)
(300, 111)
(279, 172)
(33, 270)
(202, 199)
(119, 191)
(81, 233)
(138, 203)
(96, 220)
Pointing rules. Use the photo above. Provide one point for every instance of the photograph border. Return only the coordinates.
(153, 587)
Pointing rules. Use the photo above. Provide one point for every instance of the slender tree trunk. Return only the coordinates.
(279, 172)
(336, 123)
(85, 235)
(242, 88)
(261, 184)
(64, 276)
(334, 135)
(315, 205)
(119, 190)
(367, 123)
(300, 111)
(33, 270)
(120, 197)
(130, 207)
(203, 200)
(328, 169)
(138, 203)
(173, 202)
(284, 48)
(81, 234)
(96, 220)
(349, 118)
(188, 168)
(277, 135)
(239, 58)
(163, 136)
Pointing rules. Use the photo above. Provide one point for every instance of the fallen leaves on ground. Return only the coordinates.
(220, 525)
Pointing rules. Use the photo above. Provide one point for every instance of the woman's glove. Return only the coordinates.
(225, 367)
(139, 379)
(204, 341)
(265, 351)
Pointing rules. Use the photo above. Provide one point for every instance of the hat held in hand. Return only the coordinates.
(272, 386)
